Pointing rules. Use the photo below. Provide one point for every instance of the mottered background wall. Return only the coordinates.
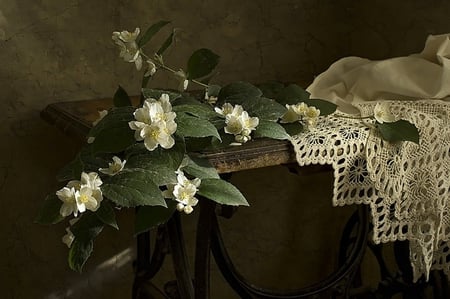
(61, 50)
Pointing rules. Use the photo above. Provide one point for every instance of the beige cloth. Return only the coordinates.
(419, 76)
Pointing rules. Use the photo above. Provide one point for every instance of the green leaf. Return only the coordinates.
(133, 188)
(293, 128)
(191, 126)
(79, 253)
(213, 90)
(271, 89)
(271, 129)
(113, 134)
(400, 130)
(148, 217)
(325, 107)
(200, 168)
(121, 98)
(237, 93)
(84, 161)
(106, 214)
(49, 212)
(221, 192)
(156, 93)
(150, 32)
(166, 44)
(200, 110)
(85, 230)
(201, 63)
(264, 108)
(160, 164)
(292, 94)
(71, 171)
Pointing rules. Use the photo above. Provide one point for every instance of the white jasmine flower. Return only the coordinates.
(155, 123)
(311, 116)
(126, 36)
(151, 68)
(86, 199)
(291, 115)
(234, 124)
(226, 109)
(129, 50)
(69, 206)
(181, 76)
(307, 115)
(101, 115)
(157, 134)
(68, 237)
(248, 123)
(382, 113)
(238, 122)
(114, 167)
(80, 195)
(91, 179)
(184, 192)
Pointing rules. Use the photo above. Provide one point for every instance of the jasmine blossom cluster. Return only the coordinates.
(238, 122)
(183, 192)
(155, 123)
(79, 196)
(307, 115)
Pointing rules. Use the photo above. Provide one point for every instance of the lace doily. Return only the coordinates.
(406, 185)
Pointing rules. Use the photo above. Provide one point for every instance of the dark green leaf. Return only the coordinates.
(121, 98)
(191, 126)
(160, 164)
(201, 63)
(85, 161)
(71, 171)
(400, 130)
(113, 134)
(292, 94)
(79, 253)
(148, 217)
(133, 188)
(199, 110)
(49, 212)
(150, 32)
(237, 92)
(85, 230)
(87, 227)
(271, 129)
(325, 107)
(107, 215)
(271, 89)
(293, 128)
(213, 90)
(221, 192)
(200, 168)
(156, 93)
(264, 108)
(166, 44)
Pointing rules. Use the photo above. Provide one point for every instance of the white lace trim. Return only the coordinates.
(406, 185)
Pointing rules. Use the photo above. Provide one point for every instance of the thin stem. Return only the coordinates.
(165, 67)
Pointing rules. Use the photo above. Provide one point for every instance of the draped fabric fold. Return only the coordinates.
(406, 185)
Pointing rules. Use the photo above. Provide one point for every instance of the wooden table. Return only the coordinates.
(75, 118)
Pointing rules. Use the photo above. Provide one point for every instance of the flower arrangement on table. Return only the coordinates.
(145, 156)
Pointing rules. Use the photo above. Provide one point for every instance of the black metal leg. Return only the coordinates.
(179, 256)
(339, 281)
(203, 249)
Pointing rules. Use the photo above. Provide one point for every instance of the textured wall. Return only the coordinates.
(61, 50)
